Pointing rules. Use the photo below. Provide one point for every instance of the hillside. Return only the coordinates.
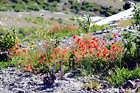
(95, 7)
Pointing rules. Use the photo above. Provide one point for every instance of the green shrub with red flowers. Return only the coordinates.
(7, 40)
(95, 56)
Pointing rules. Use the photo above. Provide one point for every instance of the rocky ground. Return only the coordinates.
(13, 80)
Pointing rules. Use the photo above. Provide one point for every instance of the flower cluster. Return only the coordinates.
(94, 51)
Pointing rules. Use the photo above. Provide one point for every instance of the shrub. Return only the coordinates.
(136, 15)
(7, 40)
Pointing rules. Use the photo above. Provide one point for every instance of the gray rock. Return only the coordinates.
(129, 84)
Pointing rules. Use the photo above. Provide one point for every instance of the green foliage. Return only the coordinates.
(131, 48)
(7, 40)
(119, 76)
(84, 22)
(92, 85)
(91, 7)
(136, 15)
(28, 5)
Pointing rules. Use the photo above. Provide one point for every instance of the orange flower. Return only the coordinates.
(28, 67)
(52, 56)
(97, 40)
(50, 60)
(28, 33)
(119, 46)
(98, 54)
(56, 50)
(74, 37)
(112, 57)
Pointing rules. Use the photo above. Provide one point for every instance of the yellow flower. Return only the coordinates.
(28, 44)
(39, 36)
(44, 36)
(32, 45)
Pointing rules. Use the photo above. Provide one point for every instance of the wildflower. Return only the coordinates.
(112, 57)
(28, 33)
(24, 50)
(119, 46)
(56, 50)
(94, 38)
(78, 40)
(50, 42)
(115, 35)
(113, 46)
(16, 42)
(103, 43)
(28, 44)
(98, 54)
(103, 38)
(104, 55)
(73, 52)
(11, 49)
(50, 60)
(46, 44)
(28, 67)
(17, 48)
(32, 46)
(97, 40)
(40, 61)
(15, 52)
(74, 37)
(52, 56)
(44, 36)
(39, 36)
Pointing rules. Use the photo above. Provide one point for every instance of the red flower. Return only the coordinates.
(112, 57)
(113, 46)
(15, 52)
(28, 67)
(93, 38)
(73, 52)
(114, 34)
(98, 54)
(104, 55)
(103, 38)
(78, 40)
(46, 44)
(40, 61)
(11, 49)
(16, 42)
(103, 43)
(24, 50)
(17, 48)
(74, 37)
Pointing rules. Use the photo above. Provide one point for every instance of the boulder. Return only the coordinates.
(128, 5)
